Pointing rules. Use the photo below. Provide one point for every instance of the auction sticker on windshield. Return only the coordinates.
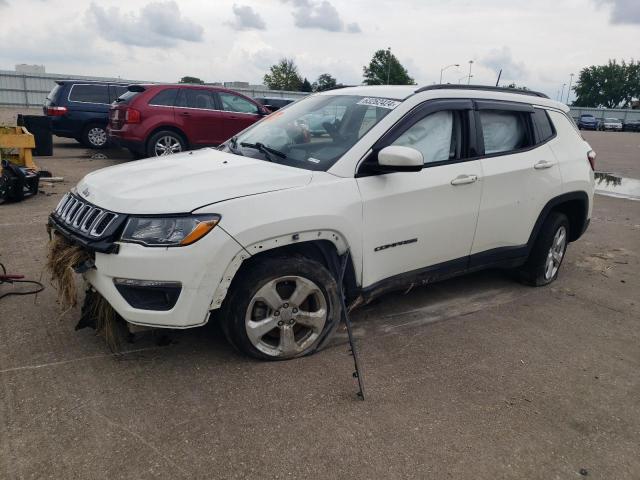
(379, 102)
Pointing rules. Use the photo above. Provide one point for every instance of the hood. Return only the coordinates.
(183, 182)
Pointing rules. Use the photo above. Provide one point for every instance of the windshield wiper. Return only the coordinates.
(233, 146)
(262, 148)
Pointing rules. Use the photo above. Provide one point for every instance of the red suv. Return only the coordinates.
(154, 120)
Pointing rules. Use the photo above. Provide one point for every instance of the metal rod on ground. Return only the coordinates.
(347, 321)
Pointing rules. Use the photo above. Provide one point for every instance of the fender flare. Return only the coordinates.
(336, 238)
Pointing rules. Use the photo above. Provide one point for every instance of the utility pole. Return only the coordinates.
(469, 79)
(569, 89)
(388, 64)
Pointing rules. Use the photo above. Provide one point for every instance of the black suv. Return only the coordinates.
(80, 109)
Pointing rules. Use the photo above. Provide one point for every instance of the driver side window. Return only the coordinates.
(436, 136)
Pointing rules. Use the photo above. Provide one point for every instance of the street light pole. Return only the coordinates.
(444, 68)
(569, 89)
(469, 79)
(462, 78)
(562, 91)
(388, 64)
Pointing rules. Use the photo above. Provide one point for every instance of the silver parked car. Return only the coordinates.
(614, 124)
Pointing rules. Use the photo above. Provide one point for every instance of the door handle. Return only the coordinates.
(542, 164)
(464, 179)
(185, 114)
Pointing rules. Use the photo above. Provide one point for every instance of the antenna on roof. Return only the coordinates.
(499, 75)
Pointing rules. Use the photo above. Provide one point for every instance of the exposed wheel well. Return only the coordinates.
(576, 212)
(322, 251)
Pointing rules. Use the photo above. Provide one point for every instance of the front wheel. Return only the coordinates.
(281, 308)
(548, 251)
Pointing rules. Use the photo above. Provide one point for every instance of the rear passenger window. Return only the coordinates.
(166, 98)
(89, 94)
(543, 125)
(504, 130)
(196, 98)
(436, 136)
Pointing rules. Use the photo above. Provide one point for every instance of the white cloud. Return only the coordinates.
(158, 24)
(322, 15)
(624, 11)
(501, 59)
(246, 18)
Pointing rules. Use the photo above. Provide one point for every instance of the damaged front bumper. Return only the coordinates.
(155, 287)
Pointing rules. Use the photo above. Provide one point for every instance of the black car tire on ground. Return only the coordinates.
(166, 136)
(241, 304)
(533, 271)
(94, 135)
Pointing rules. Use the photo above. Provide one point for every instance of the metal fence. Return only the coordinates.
(30, 90)
(624, 114)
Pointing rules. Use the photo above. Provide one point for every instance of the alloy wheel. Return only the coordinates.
(97, 136)
(167, 145)
(286, 316)
(556, 252)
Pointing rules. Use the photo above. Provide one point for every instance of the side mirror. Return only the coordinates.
(400, 159)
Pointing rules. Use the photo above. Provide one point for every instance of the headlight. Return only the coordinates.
(168, 231)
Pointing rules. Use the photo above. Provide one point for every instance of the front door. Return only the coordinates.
(415, 220)
(197, 115)
(238, 114)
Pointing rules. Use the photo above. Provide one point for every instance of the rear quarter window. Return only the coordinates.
(89, 93)
(544, 127)
(165, 98)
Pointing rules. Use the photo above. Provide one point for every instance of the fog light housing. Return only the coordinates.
(149, 294)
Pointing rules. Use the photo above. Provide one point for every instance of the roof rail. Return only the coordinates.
(489, 88)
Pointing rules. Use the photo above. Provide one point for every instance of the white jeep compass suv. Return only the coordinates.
(404, 187)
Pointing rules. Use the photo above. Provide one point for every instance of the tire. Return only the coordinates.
(543, 265)
(264, 297)
(95, 136)
(165, 142)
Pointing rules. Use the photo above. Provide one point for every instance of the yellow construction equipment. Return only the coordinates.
(18, 173)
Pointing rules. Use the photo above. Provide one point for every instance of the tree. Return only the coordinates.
(188, 79)
(613, 85)
(306, 86)
(324, 82)
(283, 76)
(384, 69)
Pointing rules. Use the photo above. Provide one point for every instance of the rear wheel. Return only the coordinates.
(164, 143)
(95, 136)
(281, 308)
(546, 257)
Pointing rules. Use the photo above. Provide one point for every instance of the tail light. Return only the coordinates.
(56, 111)
(591, 156)
(132, 116)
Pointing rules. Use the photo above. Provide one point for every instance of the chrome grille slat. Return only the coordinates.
(83, 216)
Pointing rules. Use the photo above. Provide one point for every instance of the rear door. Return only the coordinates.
(239, 113)
(197, 114)
(415, 220)
(521, 174)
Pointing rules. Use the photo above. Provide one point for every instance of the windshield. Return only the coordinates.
(312, 133)
(611, 120)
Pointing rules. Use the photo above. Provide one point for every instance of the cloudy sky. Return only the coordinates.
(537, 43)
